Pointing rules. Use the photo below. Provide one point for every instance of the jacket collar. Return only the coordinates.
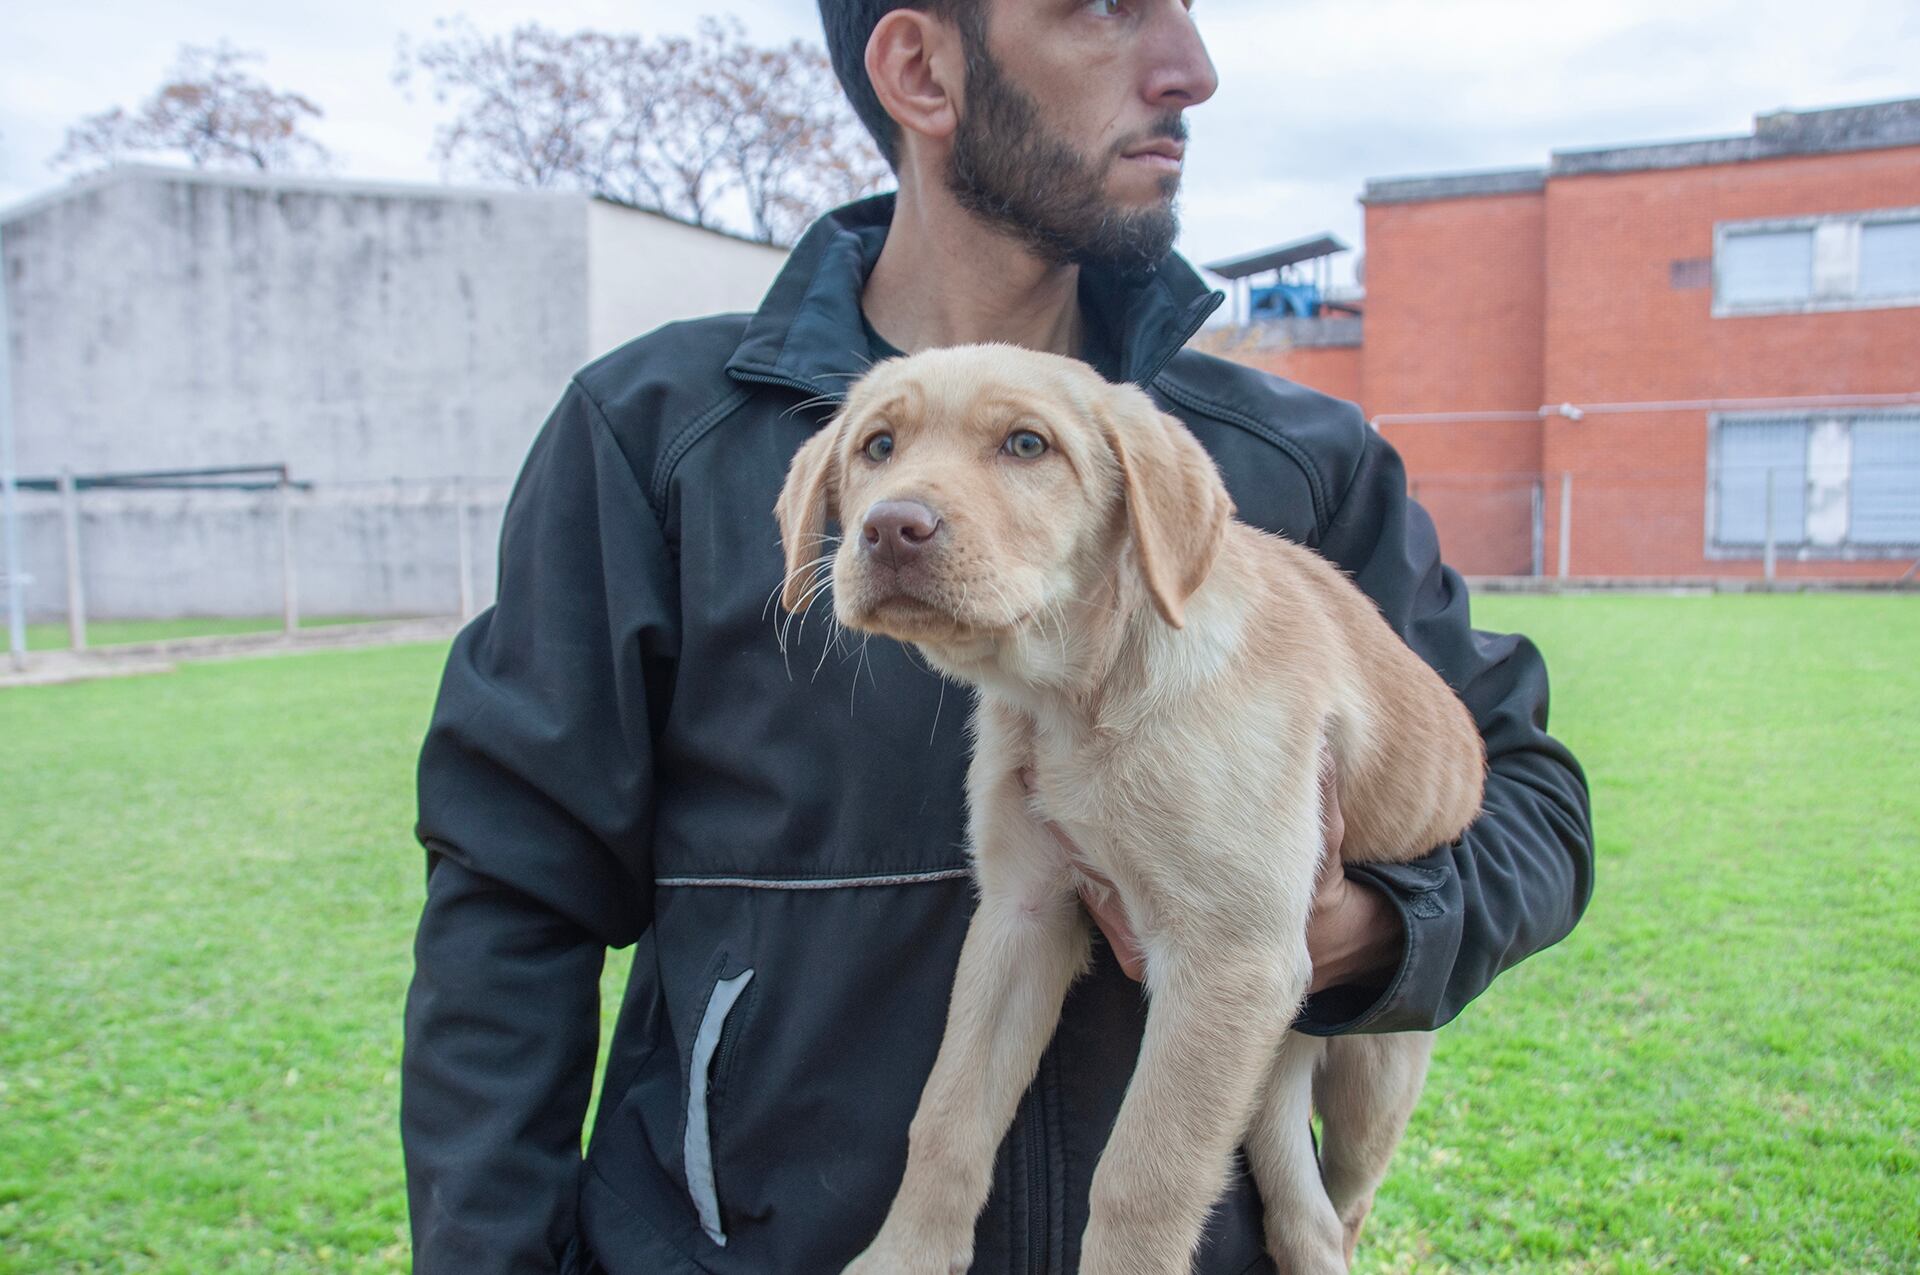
(808, 333)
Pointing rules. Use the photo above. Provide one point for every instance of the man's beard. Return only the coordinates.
(1007, 168)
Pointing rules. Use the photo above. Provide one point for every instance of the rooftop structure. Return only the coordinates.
(1830, 131)
(1302, 284)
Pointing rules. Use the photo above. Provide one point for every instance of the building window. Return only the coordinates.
(1801, 265)
(1890, 259)
(1886, 481)
(1766, 267)
(1826, 486)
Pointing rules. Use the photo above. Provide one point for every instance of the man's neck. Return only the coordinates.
(945, 277)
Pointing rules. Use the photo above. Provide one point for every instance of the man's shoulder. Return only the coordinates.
(1324, 436)
(657, 382)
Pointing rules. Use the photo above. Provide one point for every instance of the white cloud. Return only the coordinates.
(1319, 95)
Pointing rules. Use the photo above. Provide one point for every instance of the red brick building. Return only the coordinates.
(1697, 341)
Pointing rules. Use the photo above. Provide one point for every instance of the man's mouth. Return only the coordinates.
(1163, 155)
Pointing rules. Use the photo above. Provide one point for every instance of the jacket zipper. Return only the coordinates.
(774, 378)
(729, 1039)
(1038, 1221)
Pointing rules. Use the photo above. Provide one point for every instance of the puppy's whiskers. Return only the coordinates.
(854, 688)
(815, 591)
(832, 398)
(824, 560)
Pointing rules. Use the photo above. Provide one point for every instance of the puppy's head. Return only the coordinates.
(981, 486)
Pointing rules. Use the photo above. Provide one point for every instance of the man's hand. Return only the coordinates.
(1353, 934)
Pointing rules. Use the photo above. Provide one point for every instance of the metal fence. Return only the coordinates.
(253, 543)
(1731, 520)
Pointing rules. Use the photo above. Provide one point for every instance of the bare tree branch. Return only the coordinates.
(677, 124)
(210, 110)
(529, 102)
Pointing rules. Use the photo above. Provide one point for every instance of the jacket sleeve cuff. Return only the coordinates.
(1428, 899)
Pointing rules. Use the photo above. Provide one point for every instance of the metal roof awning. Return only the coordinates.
(1274, 258)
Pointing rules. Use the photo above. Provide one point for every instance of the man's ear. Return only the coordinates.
(1177, 507)
(916, 63)
(806, 502)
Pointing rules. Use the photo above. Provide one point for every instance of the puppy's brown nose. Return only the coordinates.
(897, 530)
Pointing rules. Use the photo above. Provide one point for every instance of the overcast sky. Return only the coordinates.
(1316, 96)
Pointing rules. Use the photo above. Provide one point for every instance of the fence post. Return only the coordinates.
(289, 586)
(1769, 507)
(76, 592)
(9, 513)
(466, 548)
(1566, 521)
(1537, 561)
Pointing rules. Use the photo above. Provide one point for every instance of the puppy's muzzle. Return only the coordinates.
(898, 533)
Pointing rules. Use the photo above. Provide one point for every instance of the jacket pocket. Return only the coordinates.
(711, 1042)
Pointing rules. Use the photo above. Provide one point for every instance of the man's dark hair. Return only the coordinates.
(849, 25)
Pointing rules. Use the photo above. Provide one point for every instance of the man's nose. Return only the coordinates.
(896, 531)
(1182, 74)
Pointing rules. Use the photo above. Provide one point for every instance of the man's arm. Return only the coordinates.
(1521, 875)
(502, 1022)
(536, 800)
(1354, 934)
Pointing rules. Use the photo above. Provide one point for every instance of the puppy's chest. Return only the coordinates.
(1081, 781)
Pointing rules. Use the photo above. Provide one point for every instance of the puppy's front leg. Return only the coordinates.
(1027, 941)
(1216, 1014)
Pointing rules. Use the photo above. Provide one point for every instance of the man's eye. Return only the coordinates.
(1105, 8)
(1025, 444)
(879, 447)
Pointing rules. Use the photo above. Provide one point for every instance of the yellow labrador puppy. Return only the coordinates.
(1167, 679)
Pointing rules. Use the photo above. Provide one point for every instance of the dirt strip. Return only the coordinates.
(135, 659)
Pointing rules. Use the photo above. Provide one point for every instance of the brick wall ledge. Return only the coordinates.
(1681, 585)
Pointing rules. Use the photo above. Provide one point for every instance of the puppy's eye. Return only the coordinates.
(1025, 444)
(879, 447)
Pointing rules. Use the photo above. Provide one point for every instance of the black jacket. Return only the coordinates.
(621, 755)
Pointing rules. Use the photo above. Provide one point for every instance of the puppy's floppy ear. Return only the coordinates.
(1177, 507)
(806, 502)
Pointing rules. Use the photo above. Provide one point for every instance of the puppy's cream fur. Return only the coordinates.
(1168, 679)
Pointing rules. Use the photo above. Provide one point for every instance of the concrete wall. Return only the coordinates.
(374, 550)
(164, 319)
(645, 270)
(397, 347)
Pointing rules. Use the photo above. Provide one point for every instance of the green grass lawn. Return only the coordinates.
(54, 637)
(210, 888)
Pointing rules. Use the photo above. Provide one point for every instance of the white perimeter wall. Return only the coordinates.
(397, 347)
(166, 319)
(644, 270)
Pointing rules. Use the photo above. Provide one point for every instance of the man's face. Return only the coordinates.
(1071, 135)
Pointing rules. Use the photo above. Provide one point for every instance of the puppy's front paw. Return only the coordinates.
(907, 1255)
